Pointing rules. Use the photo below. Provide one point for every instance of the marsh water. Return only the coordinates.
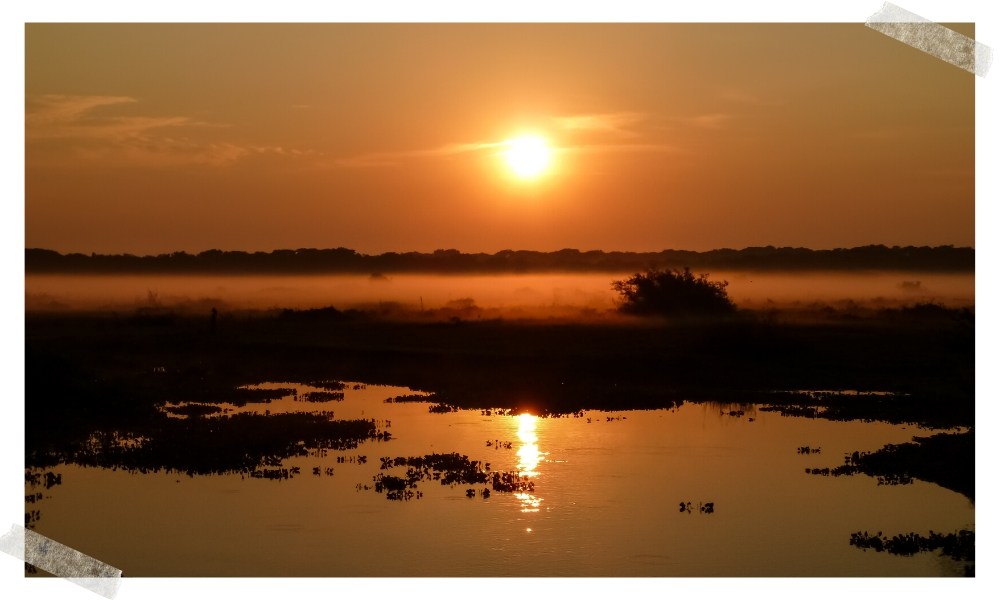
(703, 489)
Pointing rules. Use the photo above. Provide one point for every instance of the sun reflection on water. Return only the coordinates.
(528, 456)
(529, 502)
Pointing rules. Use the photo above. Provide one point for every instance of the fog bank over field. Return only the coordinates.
(471, 296)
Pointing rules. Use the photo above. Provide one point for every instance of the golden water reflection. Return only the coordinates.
(529, 456)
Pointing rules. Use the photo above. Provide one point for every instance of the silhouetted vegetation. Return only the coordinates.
(447, 469)
(672, 293)
(333, 386)
(931, 406)
(327, 313)
(323, 396)
(194, 410)
(345, 260)
(930, 310)
(945, 459)
(410, 398)
(236, 443)
(960, 545)
(705, 508)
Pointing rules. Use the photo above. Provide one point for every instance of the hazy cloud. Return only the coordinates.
(710, 121)
(61, 127)
(52, 109)
(57, 116)
(614, 123)
(605, 148)
(750, 98)
(384, 159)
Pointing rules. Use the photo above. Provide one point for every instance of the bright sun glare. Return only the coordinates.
(528, 156)
(528, 453)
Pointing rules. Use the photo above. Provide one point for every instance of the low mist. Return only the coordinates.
(471, 296)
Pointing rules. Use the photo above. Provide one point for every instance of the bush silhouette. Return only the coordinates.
(673, 292)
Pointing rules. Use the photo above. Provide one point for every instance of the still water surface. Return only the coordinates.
(608, 488)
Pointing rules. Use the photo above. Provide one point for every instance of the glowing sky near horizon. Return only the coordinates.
(390, 137)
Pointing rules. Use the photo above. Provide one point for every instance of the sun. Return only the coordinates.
(528, 156)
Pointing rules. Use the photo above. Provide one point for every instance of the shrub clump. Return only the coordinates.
(672, 293)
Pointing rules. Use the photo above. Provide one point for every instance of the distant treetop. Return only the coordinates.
(345, 260)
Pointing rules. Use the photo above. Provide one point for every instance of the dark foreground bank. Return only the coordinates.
(110, 372)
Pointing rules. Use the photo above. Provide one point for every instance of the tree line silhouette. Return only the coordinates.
(345, 260)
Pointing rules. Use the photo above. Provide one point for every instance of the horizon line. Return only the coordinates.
(466, 252)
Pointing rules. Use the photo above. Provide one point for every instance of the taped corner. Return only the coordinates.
(932, 38)
(61, 560)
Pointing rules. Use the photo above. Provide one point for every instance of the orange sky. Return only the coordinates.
(154, 138)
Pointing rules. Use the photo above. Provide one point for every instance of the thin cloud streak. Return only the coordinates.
(612, 123)
(384, 159)
(52, 109)
(70, 122)
(711, 121)
(605, 148)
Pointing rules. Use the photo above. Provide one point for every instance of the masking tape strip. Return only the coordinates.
(62, 561)
(932, 38)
